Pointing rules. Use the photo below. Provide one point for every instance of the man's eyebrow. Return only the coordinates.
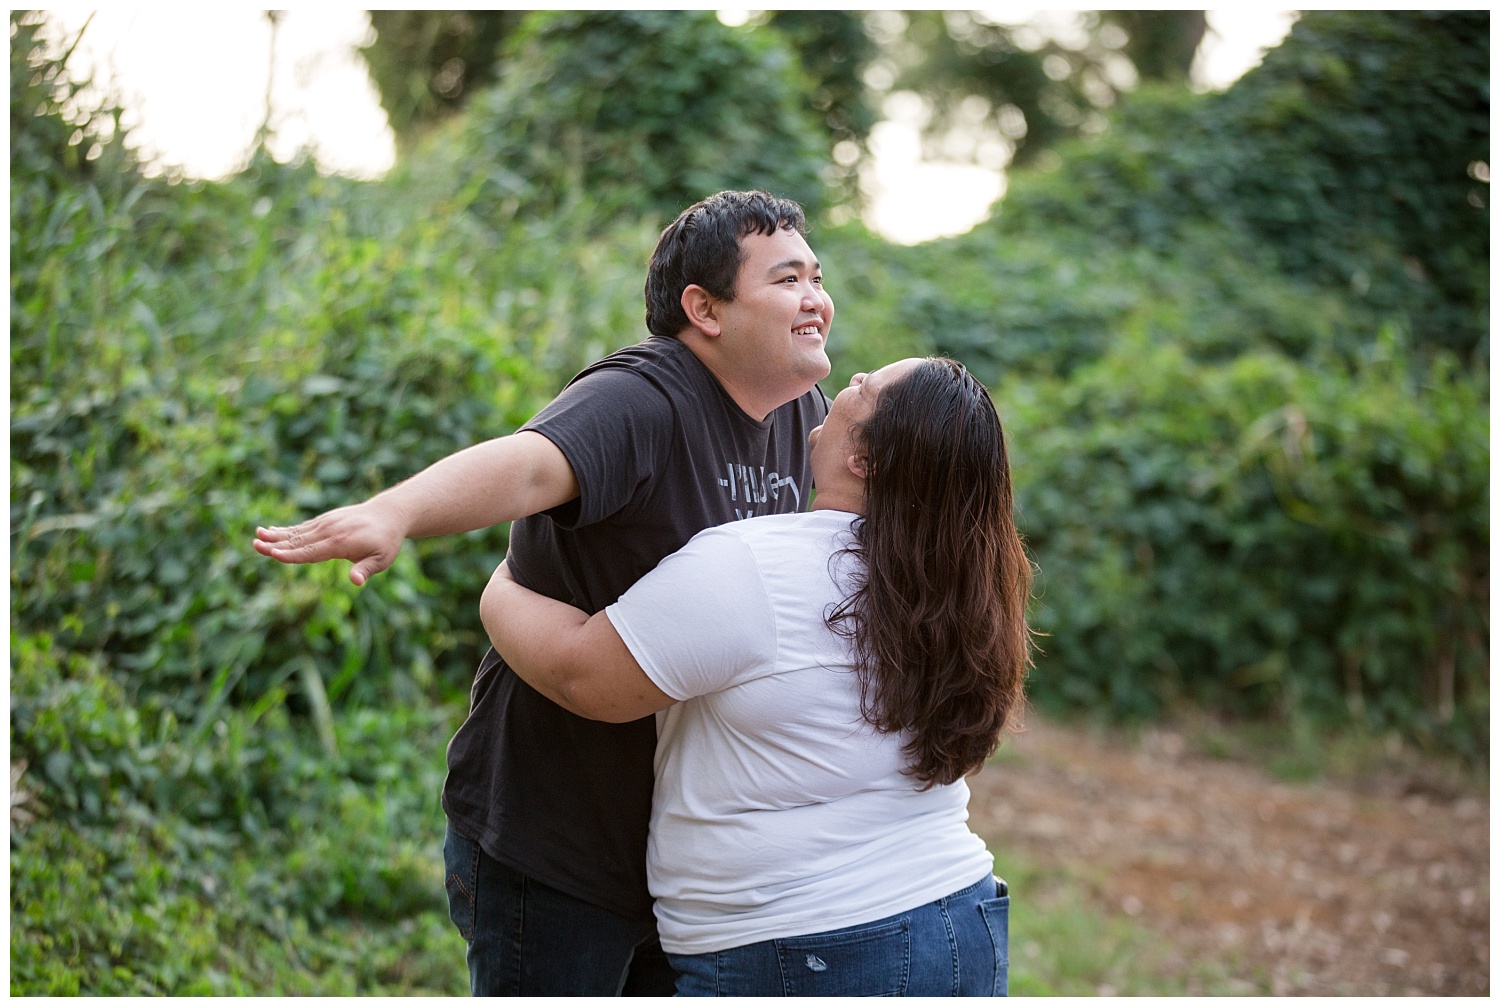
(796, 264)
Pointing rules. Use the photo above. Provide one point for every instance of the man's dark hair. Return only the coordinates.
(938, 615)
(702, 246)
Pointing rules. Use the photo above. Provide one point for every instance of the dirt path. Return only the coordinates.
(1308, 889)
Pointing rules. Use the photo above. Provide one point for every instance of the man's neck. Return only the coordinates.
(756, 402)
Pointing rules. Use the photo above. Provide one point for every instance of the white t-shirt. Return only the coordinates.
(778, 810)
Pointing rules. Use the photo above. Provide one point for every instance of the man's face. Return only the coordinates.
(777, 325)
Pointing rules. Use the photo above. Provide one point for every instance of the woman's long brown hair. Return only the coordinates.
(938, 615)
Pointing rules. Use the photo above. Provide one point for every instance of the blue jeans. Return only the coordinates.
(526, 939)
(956, 946)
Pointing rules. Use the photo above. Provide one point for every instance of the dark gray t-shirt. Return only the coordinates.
(660, 452)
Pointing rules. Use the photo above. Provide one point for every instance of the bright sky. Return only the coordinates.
(195, 80)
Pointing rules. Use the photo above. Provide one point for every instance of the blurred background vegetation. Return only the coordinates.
(1240, 341)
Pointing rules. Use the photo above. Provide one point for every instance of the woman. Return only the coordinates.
(828, 679)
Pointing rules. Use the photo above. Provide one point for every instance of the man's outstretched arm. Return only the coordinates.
(490, 483)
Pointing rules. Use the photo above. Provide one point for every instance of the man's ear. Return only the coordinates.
(701, 309)
(859, 465)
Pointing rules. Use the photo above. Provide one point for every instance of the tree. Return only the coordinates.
(641, 111)
(1356, 157)
(56, 128)
(835, 48)
(1028, 88)
(1161, 44)
(426, 64)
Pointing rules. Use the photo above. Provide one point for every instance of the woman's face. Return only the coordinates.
(833, 442)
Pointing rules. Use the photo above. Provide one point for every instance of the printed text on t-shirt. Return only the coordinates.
(751, 485)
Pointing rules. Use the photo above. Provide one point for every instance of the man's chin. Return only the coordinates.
(812, 369)
(817, 369)
(822, 365)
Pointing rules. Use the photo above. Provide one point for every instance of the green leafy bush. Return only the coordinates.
(139, 453)
(1261, 536)
(1353, 157)
(639, 113)
(1035, 304)
(239, 857)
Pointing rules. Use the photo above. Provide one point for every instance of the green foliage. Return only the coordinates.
(54, 137)
(427, 63)
(147, 423)
(1033, 303)
(1261, 536)
(640, 112)
(188, 360)
(962, 54)
(1351, 157)
(1212, 520)
(167, 860)
(1033, 90)
(1161, 44)
(835, 49)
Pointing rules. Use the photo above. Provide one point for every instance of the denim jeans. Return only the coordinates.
(526, 939)
(956, 946)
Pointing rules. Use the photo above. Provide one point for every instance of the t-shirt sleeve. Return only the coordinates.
(615, 428)
(701, 621)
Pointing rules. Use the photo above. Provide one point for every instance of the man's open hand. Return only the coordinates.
(366, 534)
(495, 481)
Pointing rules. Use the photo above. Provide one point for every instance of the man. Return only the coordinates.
(704, 423)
